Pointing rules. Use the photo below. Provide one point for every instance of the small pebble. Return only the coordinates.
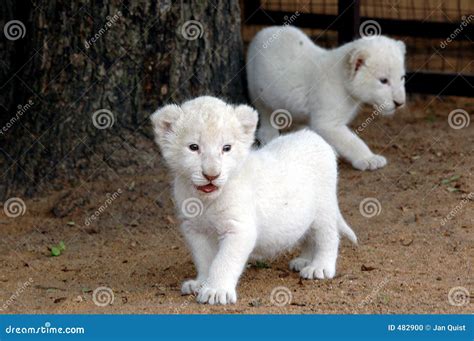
(79, 299)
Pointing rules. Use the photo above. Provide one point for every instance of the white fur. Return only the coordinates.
(286, 70)
(267, 201)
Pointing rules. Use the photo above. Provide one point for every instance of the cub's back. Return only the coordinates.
(279, 64)
(282, 42)
(305, 148)
(297, 167)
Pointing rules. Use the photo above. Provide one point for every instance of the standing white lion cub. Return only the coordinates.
(237, 203)
(286, 70)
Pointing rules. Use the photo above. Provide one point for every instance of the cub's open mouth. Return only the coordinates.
(207, 188)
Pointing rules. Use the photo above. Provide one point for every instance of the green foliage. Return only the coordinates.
(57, 249)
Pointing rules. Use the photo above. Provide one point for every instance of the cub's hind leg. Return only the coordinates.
(306, 255)
(325, 238)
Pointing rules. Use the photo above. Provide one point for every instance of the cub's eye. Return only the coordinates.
(227, 148)
(194, 147)
(383, 80)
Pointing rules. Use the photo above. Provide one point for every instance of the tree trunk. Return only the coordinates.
(88, 73)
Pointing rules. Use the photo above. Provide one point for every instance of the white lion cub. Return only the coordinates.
(286, 70)
(237, 203)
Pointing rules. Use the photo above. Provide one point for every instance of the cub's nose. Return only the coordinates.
(210, 177)
(398, 104)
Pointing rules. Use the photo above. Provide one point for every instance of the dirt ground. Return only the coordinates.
(407, 260)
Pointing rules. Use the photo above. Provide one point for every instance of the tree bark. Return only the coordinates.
(123, 59)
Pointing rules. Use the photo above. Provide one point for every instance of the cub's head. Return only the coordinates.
(205, 140)
(376, 70)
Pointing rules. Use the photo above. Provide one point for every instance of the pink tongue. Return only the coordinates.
(207, 188)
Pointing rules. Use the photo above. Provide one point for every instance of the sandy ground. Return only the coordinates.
(407, 260)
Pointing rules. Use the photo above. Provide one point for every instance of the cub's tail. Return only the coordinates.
(345, 229)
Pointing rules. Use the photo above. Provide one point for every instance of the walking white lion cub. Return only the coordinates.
(286, 70)
(237, 203)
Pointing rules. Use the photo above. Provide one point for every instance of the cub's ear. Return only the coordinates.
(357, 58)
(402, 46)
(164, 120)
(248, 117)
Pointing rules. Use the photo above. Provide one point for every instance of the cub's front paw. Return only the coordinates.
(318, 272)
(217, 295)
(373, 162)
(298, 263)
(191, 286)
